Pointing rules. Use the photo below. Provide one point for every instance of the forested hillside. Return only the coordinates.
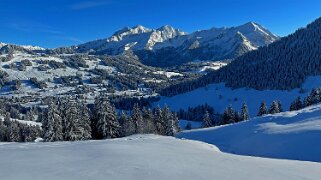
(282, 65)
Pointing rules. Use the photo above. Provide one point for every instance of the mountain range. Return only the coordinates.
(168, 46)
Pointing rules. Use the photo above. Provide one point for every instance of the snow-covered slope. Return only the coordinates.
(219, 97)
(289, 135)
(141, 157)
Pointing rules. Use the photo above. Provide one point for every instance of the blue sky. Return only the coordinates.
(54, 23)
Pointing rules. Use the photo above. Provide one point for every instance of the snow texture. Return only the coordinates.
(141, 157)
(289, 135)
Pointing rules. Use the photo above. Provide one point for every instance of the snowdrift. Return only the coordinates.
(290, 135)
(141, 157)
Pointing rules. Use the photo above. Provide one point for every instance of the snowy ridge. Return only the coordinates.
(169, 44)
(136, 38)
(288, 135)
(150, 157)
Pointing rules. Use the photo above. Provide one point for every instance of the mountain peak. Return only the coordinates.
(140, 29)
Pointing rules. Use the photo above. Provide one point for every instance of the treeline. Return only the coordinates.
(313, 98)
(209, 118)
(71, 120)
(195, 113)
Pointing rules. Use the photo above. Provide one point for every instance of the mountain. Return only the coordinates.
(136, 38)
(168, 46)
(282, 65)
(5, 48)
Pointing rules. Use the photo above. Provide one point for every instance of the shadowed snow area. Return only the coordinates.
(141, 157)
(289, 135)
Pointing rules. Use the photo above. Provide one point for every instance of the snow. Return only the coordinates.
(168, 74)
(219, 97)
(213, 66)
(289, 135)
(32, 123)
(141, 157)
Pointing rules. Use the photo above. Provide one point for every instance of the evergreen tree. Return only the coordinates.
(296, 104)
(137, 118)
(274, 108)
(7, 119)
(263, 109)
(280, 106)
(245, 112)
(14, 132)
(84, 124)
(149, 122)
(52, 124)
(71, 120)
(207, 121)
(107, 125)
(229, 115)
(171, 121)
(159, 123)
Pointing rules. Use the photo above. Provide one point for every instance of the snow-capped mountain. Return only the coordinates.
(5, 48)
(170, 46)
(136, 38)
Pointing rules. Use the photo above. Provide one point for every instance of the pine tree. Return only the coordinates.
(245, 112)
(207, 121)
(52, 124)
(149, 122)
(137, 118)
(7, 119)
(274, 108)
(280, 106)
(229, 115)
(159, 123)
(14, 132)
(84, 124)
(296, 104)
(171, 124)
(71, 120)
(263, 109)
(107, 125)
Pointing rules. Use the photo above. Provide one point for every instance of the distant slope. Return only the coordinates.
(289, 135)
(143, 158)
(219, 97)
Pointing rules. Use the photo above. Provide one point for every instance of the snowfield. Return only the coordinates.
(141, 157)
(220, 97)
(290, 135)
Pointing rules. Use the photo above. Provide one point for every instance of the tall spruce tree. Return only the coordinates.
(245, 112)
(207, 121)
(107, 125)
(263, 109)
(274, 108)
(52, 124)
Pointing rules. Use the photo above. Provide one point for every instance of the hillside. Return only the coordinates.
(289, 135)
(219, 96)
(282, 65)
(141, 157)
